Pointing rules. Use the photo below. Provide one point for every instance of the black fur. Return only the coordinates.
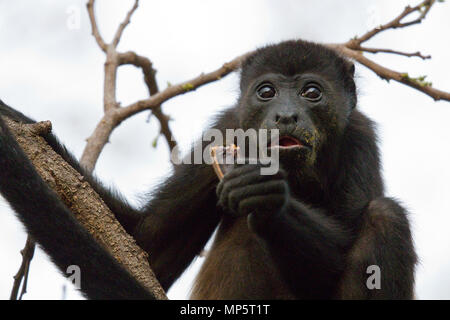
(309, 231)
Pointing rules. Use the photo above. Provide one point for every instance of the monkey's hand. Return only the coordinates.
(244, 191)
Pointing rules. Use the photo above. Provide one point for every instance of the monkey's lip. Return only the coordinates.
(288, 142)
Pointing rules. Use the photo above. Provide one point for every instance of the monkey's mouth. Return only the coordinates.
(288, 142)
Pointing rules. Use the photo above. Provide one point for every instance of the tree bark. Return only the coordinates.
(84, 202)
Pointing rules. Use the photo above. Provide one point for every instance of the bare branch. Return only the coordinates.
(424, 7)
(98, 139)
(164, 127)
(114, 117)
(30, 246)
(145, 64)
(353, 49)
(95, 32)
(109, 85)
(123, 25)
(389, 74)
(27, 255)
(150, 80)
(406, 54)
(181, 88)
(111, 63)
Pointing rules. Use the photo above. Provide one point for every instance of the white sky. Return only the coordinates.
(52, 72)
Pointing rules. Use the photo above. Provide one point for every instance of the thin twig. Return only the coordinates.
(400, 53)
(25, 277)
(149, 72)
(27, 254)
(396, 23)
(95, 32)
(123, 25)
(164, 128)
(353, 49)
(388, 74)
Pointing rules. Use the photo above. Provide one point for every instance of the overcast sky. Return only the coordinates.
(52, 69)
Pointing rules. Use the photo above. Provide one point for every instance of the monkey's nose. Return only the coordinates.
(286, 118)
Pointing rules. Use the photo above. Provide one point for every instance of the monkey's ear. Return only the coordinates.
(350, 70)
(350, 66)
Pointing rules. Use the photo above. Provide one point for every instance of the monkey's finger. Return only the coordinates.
(263, 205)
(254, 176)
(240, 170)
(268, 188)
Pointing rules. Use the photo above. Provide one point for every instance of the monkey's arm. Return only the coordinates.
(182, 215)
(384, 241)
(308, 247)
(55, 228)
(311, 252)
(314, 252)
(179, 220)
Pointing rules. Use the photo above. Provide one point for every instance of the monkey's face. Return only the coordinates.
(308, 109)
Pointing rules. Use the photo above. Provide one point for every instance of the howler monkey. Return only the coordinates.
(310, 231)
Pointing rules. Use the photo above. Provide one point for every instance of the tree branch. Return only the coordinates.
(400, 53)
(100, 136)
(353, 49)
(149, 72)
(181, 88)
(95, 32)
(123, 25)
(87, 206)
(388, 74)
(98, 140)
(27, 255)
(164, 128)
(423, 7)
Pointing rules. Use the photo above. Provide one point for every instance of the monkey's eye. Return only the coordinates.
(266, 92)
(311, 92)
